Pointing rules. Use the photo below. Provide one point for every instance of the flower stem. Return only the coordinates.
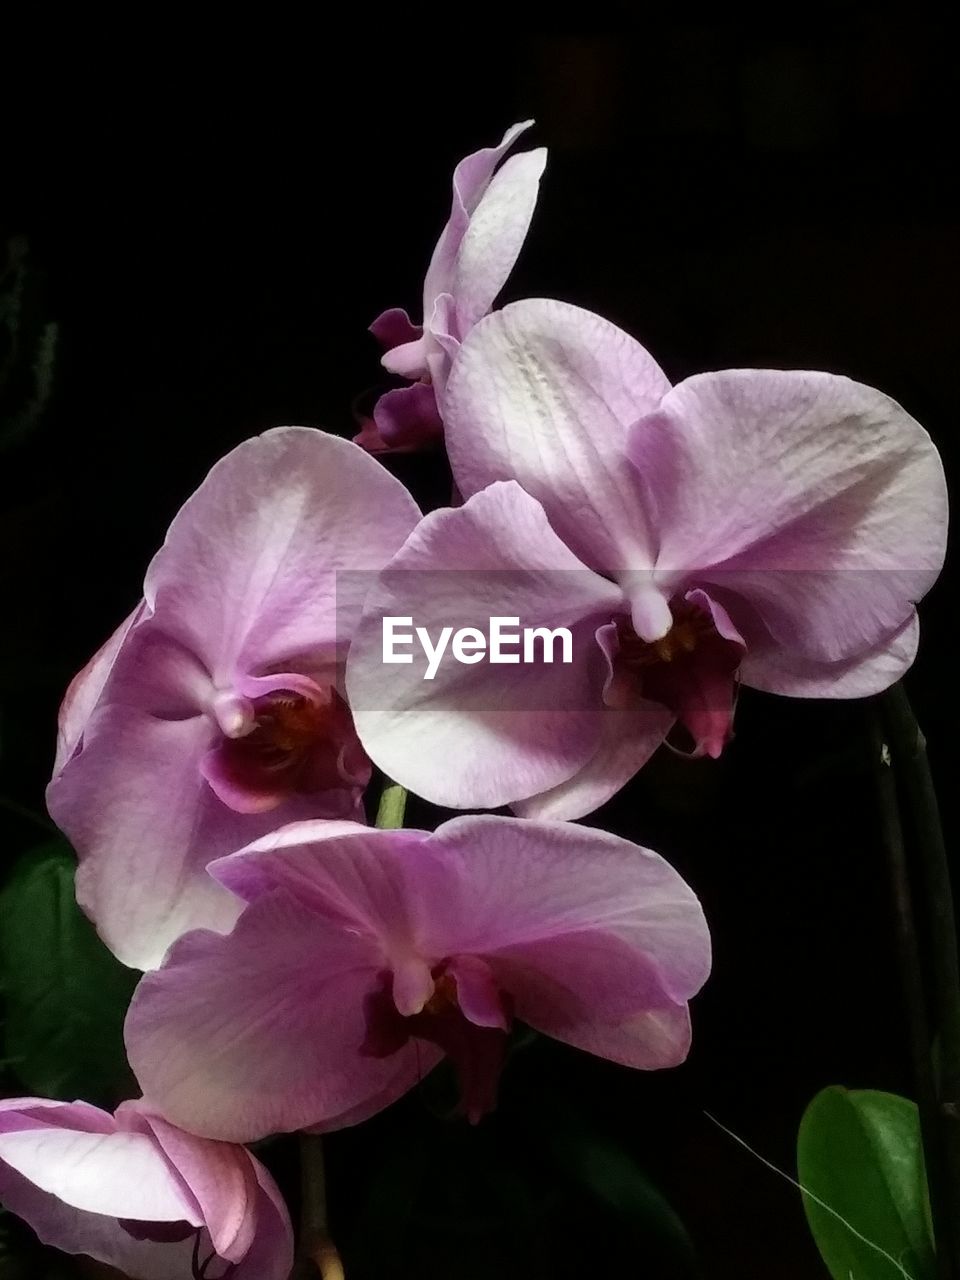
(315, 1242)
(935, 942)
(393, 804)
(911, 978)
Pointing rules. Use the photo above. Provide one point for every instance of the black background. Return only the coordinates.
(217, 223)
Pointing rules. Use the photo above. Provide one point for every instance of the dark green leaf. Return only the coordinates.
(64, 994)
(600, 1168)
(859, 1151)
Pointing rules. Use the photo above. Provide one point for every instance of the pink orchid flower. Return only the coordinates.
(216, 713)
(133, 1191)
(767, 528)
(488, 223)
(365, 956)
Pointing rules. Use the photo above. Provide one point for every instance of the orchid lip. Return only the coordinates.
(437, 1015)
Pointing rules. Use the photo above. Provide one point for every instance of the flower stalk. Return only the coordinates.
(316, 1244)
(929, 958)
(393, 804)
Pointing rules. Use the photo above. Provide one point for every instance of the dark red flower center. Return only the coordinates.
(297, 744)
(477, 1052)
(691, 670)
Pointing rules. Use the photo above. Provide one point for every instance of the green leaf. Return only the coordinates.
(65, 995)
(859, 1151)
(606, 1173)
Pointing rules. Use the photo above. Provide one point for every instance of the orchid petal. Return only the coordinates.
(393, 328)
(495, 236)
(544, 393)
(648, 1041)
(119, 1175)
(628, 738)
(774, 671)
(470, 180)
(817, 500)
(85, 689)
(84, 1179)
(259, 1031)
(247, 578)
(222, 1180)
(408, 360)
(487, 734)
(407, 417)
(518, 884)
(141, 876)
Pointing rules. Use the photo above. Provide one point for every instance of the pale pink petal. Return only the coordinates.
(470, 180)
(408, 360)
(94, 1235)
(513, 885)
(485, 734)
(144, 824)
(25, 1113)
(412, 1067)
(544, 393)
(259, 1032)
(221, 1178)
(85, 689)
(776, 671)
(628, 738)
(495, 236)
(119, 1175)
(247, 578)
(271, 1253)
(649, 1041)
(74, 1172)
(817, 500)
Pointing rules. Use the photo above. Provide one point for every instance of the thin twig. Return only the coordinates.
(936, 929)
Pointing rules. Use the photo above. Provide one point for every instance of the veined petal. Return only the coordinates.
(515, 884)
(118, 1175)
(271, 1253)
(248, 576)
(648, 1041)
(85, 689)
(85, 1181)
(817, 500)
(259, 1031)
(629, 736)
(221, 1178)
(470, 180)
(145, 824)
(494, 237)
(489, 733)
(775, 671)
(544, 393)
